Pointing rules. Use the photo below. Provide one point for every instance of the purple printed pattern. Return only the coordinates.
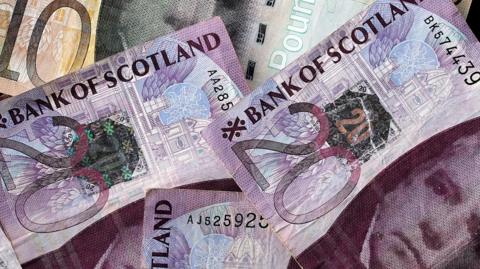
(208, 229)
(381, 47)
(419, 212)
(303, 145)
(119, 245)
(154, 86)
(66, 168)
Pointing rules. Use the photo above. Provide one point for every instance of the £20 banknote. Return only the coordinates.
(306, 142)
(86, 144)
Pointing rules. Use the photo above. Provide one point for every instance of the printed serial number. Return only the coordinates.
(221, 87)
(465, 66)
(249, 220)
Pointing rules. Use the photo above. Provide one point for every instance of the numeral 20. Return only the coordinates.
(313, 153)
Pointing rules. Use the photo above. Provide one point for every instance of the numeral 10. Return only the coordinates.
(12, 33)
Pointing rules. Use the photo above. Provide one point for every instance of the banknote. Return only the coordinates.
(89, 143)
(306, 142)
(45, 40)
(207, 229)
(8, 259)
(419, 212)
(119, 244)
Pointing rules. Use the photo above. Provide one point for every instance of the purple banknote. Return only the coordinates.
(80, 147)
(303, 145)
(114, 241)
(186, 229)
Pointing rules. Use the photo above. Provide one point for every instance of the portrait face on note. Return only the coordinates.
(432, 218)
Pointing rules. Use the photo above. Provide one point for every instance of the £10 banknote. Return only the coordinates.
(306, 142)
(89, 143)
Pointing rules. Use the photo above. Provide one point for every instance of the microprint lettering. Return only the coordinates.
(139, 67)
